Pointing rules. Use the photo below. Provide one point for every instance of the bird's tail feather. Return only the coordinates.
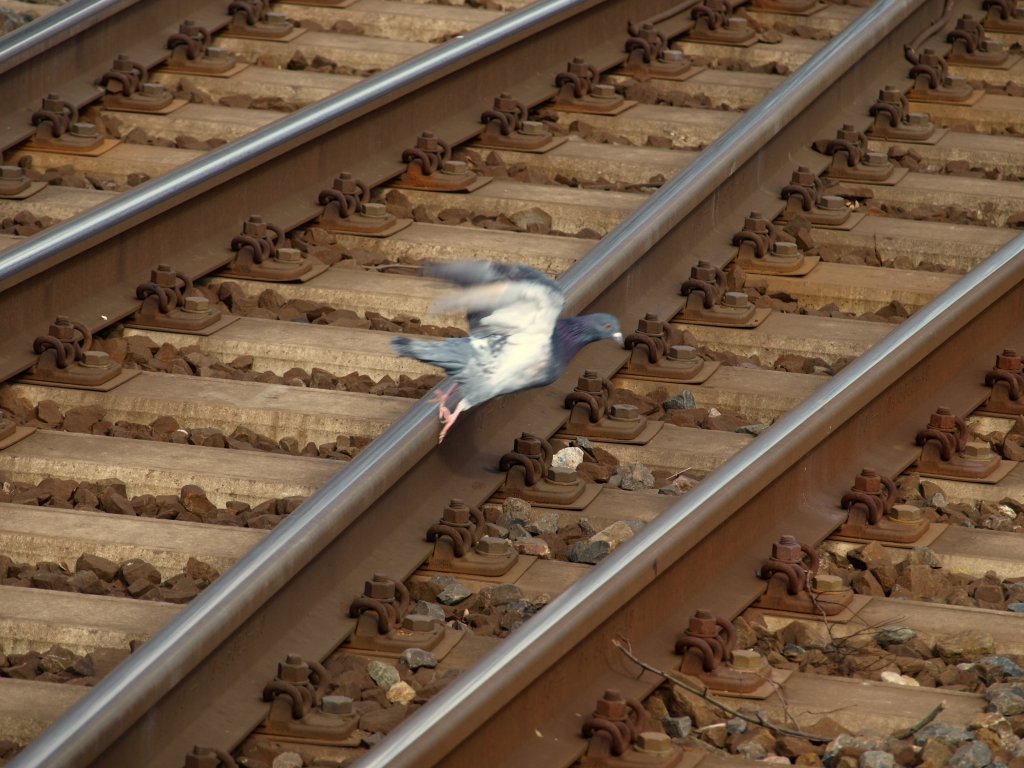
(440, 353)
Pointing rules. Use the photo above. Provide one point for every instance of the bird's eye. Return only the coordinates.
(607, 326)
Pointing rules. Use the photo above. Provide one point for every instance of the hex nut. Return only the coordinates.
(977, 450)
(493, 546)
(196, 304)
(653, 743)
(828, 582)
(418, 622)
(337, 705)
(289, 255)
(747, 660)
(95, 358)
(906, 513)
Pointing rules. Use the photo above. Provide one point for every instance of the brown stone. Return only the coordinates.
(793, 746)
(101, 566)
(114, 503)
(82, 418)
(48, 412)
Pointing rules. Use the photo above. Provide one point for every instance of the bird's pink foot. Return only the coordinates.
(449, 417)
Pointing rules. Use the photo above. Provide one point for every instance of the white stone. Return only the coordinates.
(570, 457)
(888, 676)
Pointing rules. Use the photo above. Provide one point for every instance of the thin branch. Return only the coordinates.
(623, 645)
(906, 733)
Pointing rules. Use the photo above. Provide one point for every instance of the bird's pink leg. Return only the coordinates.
(449, 420)
(441, 397)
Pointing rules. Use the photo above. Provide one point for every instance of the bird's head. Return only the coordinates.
(605, 327)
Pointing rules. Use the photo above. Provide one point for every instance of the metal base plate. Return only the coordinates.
(590, 491)
(19, 434)
(174, 106)
(511, 576)
(936, 136)
(970, 101)
(934, 531)
(231, 71)
(450, 639)
(760, 314)
(121, 378)
(845, 616)
(316, 268)
(998, 474)
(209, 330)
(101, 149)
(540, 149)
(645, 436)
(31, 189)
(762, 267)
(772, 682)
(894, 178)
(286, 38)
(479, 181)
(337, 226)
(700, 377)
(587, 110)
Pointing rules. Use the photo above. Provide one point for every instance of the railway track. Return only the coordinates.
(840, 393)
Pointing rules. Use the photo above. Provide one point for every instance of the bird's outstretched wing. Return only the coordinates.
(507, 299)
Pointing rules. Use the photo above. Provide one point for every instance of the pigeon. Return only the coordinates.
(516, 338)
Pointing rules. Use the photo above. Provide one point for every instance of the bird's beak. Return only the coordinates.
(618, 339)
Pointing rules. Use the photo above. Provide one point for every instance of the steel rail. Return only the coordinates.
(481, 695)
(174, 655)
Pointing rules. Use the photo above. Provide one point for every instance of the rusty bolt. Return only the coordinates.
(454, 167)
(828, 582)
(164, 275)
(672, 56)
(1009, 361)
(504, 102)
(456, 513)
(289, 255)
(84, 130)
(418, 622)
(703, 270)
(735, 300)
(611, 706)
(625, 412)
(561, 475)
(876, 159)
(379, 588)
(890, 94)
(255, 226)
(62, 329)
(906, 513)
(375, 210)
(94, 358)
(293, 669)
(831, 203)
(943, 419)
(493, 546)
(702, 624)
(589, 381)
(682, 353)
(427, 141)
(747, 660)
(977, 450)
(337, 705)
(532, 128)
(787, 549)
(650, 324)
(653, 743)
(847, 133)
(199, 305)
(345, 183)
(737, 22)
(803, 176)
(868, 481)
(603, 91)
(756, 222)
(527, 445)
